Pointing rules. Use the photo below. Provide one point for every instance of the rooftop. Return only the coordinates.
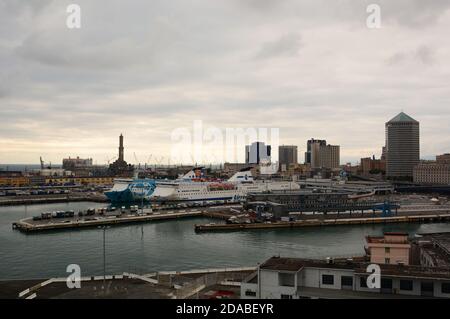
(297, 264)
(389, 238)
(403, 117)
(437, 245)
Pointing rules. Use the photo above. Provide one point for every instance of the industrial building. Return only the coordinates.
(13, 179)
(76, 163)
(402, 146)
(371, 165)
(281, 204)
(86, 180)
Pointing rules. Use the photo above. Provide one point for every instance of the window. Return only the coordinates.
(387, 261)
(250, 293)
(445, 288)
(286, 279)
(286, 297)
(427, 288)
(386, 283)
(387, 250)
(346, 281)
(406, 285)
(363, 282)
(327, 279)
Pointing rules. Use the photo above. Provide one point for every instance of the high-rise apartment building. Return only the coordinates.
(287, 155)
(322, 155)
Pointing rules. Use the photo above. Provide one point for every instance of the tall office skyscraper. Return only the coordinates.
(287, 154)
(402, 146)
(257, 152)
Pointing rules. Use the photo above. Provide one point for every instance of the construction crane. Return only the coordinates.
(109, 160)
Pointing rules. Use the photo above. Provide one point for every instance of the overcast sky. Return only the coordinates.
(144, 68)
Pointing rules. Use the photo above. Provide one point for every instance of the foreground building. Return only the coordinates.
(392, 248)
(296, 278)
(432, 250)
(402, 147)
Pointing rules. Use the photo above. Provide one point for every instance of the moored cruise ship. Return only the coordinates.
(194, 187)
(130, 190)
(234, 189)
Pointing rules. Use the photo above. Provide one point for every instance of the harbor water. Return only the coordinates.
(167, 245)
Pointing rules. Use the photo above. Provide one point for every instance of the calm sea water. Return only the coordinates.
(170, 245)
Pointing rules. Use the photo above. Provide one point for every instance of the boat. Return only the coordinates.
(131, 190)
(195, 187)
(234, 189)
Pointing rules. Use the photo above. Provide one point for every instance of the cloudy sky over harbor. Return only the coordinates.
(144, 68)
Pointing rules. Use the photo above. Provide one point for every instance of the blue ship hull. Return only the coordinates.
(122, 197)
(137, 190)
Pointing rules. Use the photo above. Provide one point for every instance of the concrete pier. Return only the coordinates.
(419, 218)
(28, 225)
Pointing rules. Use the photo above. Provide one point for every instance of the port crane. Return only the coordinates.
(386, 208)
(43, 164)
(110, 159)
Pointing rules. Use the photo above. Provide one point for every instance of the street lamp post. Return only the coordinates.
(104, 253)
(142, 200)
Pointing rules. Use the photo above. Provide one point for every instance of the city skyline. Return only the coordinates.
(165, 160)
(148, 69)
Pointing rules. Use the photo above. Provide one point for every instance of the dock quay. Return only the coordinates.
(413, 218)
(32, 200)
(28, 225)
(114, 216)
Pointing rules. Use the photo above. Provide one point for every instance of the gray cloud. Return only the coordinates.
(286, 46)
(144, 68)
(422, 54)
(425, 54)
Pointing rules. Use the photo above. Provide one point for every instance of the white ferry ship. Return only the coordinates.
(234, 189)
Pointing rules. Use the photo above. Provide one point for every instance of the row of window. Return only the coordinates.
(405, 285)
